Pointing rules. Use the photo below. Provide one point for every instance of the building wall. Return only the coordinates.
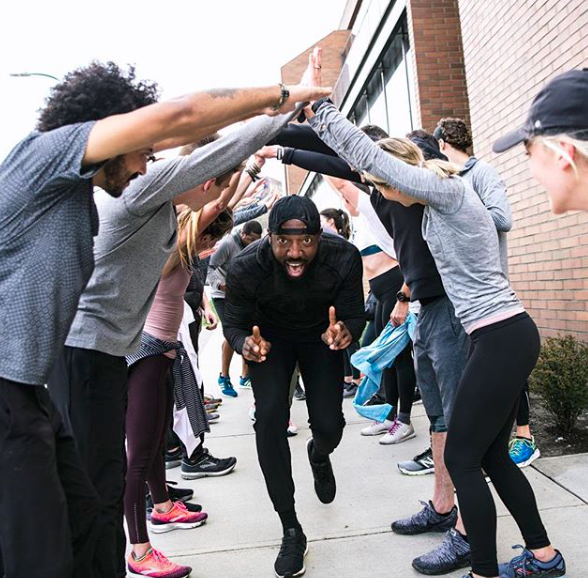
(438, 63)
(511, 49)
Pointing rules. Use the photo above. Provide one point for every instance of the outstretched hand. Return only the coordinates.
(310, 87)
(313, 75)
(256, 347)
(336, 336)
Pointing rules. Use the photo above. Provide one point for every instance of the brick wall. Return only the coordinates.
(438, 63)
(335, 47)
(511, 49)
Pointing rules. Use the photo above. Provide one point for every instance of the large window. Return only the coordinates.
(386, 97)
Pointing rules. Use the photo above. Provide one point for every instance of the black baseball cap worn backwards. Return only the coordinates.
(560, 107)
(294, 207)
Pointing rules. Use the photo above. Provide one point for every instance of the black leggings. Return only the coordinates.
(349, 369)
(501, 358)
(322, 372)
(524, 407)
(399, 380)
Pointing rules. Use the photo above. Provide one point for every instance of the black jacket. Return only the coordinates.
(259, 292)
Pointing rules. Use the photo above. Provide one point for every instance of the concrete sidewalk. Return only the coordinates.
(352, 536)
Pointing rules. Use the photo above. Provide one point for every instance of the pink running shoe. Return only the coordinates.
(156, 565)
(179, 517)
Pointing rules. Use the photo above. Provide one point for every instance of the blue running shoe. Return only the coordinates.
(523, 451)
(528, 566)
(245, 382)
(226, 386)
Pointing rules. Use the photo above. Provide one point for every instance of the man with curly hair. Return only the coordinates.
(100, 127)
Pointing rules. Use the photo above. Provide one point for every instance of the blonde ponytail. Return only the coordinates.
(406, 151)
(187, 235)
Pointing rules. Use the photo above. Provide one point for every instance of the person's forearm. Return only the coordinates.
(202, 113)
(205, 301)
(247, 214)
(356, 326)
(236, 338)
(301, 137)
(244, 182)
(320, 163)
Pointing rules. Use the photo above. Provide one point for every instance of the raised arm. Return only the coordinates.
(352, 145)
(187, 119)
(166, 179)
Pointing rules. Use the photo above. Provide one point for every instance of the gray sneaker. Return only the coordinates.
(452, 554)
(427, 520)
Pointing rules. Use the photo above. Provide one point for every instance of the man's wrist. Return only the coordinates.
(284, 96)
(402, 297)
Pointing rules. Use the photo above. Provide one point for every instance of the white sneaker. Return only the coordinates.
(398, 433)
(377, 428)
(292, 428)
(252, 412)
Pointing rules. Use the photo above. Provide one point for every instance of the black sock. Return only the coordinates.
(289, 520)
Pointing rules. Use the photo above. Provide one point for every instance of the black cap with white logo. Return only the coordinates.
(560, 108)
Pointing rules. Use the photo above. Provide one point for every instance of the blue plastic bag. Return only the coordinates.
(374, 359)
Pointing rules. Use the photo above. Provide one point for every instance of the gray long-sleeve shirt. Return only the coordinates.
(138, 233)
(456, 225)
(486, 182)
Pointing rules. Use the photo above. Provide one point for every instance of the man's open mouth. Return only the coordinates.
(295, 268)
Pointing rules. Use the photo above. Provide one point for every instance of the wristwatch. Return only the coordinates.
(402, 297)
(284, 96)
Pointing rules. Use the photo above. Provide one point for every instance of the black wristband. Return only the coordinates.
(316, 105)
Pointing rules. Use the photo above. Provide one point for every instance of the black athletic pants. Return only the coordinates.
(90, 390)
(399, 381)
(524, 407)
(48, 506)
(501, 358)
(322, 372)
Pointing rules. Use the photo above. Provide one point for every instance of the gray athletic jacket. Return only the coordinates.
(456, 225)
(486, 181)
(138, 232)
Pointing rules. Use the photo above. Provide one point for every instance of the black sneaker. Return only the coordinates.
(299, 393)
(290, 560)
(175, 495)
(350, 391)
(206, 465)
(376, 399)
(189, 506)
(324, 479)
(174, 457)
(178, 494)
(419, 465)
(427, 520)
(452, 554)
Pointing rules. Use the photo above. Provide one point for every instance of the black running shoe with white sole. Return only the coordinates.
(420, 465)
(174, 458)
(290, 560)
(206, 465)
(324, 479)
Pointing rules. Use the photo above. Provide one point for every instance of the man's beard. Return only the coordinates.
(116, 176)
